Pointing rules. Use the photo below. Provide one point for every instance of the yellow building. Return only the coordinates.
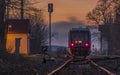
(18, 29)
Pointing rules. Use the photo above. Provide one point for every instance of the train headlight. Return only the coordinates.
(76, 41)
(80, 41)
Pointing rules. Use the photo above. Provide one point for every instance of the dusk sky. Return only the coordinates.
(67, 14)
(63, 9)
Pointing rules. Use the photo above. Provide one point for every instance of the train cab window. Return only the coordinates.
(79, 36)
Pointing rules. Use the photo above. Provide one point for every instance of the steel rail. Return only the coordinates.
(100, 67)
(60, 67)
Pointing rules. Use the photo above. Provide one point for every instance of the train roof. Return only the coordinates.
(79, 29)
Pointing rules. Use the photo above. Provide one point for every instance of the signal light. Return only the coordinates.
(72, 44)
(87, 44)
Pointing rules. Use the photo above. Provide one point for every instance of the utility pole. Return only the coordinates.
(22, 9)
(2, 24)
(50, 10)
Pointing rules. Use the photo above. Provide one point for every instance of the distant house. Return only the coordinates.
(18, 29)
(110, 38)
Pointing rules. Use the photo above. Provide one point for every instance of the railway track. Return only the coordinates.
(99, 67)
(87, 61)
(61, 67)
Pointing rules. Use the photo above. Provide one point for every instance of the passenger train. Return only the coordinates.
(79, 41)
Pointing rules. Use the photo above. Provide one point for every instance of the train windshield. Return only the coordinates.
(82, 35)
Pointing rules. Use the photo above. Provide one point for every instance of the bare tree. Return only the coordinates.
(117, 10)
(39, 32)
(104, 12)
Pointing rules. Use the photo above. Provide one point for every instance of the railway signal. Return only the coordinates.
(50, 10)
(50, 7)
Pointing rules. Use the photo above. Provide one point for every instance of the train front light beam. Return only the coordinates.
(79, 41)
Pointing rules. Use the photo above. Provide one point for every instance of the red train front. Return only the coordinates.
(79, 41)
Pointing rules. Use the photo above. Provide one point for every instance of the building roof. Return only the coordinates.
(16, 26)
